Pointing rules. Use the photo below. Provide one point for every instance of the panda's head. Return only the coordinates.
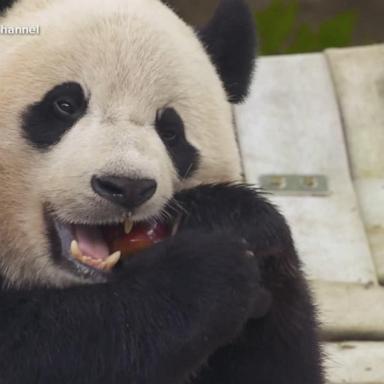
(104, 115)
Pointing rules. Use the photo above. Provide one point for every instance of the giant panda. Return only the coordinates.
(117, 118)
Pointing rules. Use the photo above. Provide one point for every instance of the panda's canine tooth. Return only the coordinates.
(111, 261)
(128, 225)
(75, 250)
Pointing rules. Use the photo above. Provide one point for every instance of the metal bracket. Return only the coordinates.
(295, 185)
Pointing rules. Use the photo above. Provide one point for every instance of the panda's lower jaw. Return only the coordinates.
(94, 251)
(61, 237)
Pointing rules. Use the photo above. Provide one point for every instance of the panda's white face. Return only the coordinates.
(104, 116)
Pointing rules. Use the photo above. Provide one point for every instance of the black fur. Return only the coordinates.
(230, 40)
(5, 4)
(42, 125)
(170, 127)
(224, 301)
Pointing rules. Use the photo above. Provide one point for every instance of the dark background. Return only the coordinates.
(303, 25)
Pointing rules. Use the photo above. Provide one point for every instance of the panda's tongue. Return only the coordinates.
(91, 242)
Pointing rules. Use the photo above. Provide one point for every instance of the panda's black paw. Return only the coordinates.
(213, 277)
(219, 276)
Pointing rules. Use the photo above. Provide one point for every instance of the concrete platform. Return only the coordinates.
(358, 74)
(291, 124)
(351, 311)
(355, 362)
(323, 114)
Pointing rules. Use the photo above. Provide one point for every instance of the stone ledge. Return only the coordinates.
(355, 363)
(358, 75)
(350, 311)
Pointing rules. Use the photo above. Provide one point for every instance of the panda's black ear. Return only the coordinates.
(5, 4)
(230, 40)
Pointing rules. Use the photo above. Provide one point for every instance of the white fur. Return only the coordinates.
(133, 57)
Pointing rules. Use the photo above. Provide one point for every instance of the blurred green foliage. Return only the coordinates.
(282, 31)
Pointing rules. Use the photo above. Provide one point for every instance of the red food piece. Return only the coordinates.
(142, 236)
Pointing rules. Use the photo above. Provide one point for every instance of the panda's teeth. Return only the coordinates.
(111, 261)
(77, 254)
(128, 225)
(105, 265)
(75, 250)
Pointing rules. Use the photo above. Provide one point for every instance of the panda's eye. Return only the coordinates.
(66, 108)
(46, 121)
(169, 125)
(168, 135)
(171, 129)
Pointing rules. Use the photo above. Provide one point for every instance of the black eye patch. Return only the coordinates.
(5, 4)
(45, 122)
(170, 128)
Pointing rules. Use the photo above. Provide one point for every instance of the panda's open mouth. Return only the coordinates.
(95, 250)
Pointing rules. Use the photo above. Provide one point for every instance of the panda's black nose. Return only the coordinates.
(123, 191)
